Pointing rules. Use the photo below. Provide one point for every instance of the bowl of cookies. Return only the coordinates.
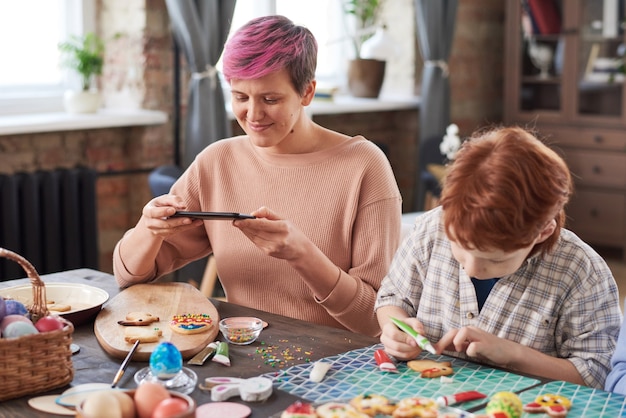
(78, 303)
(241, 330)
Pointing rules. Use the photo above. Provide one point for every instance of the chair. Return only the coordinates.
(428, 185)
(161, 180)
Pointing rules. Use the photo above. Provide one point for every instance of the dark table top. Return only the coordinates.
(286, 341)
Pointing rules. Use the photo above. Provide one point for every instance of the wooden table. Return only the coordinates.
(301, 340)
(291, 344)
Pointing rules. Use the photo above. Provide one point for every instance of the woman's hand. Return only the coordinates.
(478, 344)
(398, 343)
(156, 216)
(275, 236)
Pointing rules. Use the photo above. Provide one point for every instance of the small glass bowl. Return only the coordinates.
(241, 330)
(182, 382)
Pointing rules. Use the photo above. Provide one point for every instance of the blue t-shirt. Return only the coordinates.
(483, 288)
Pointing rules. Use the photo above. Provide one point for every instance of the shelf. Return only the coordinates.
(540, 80)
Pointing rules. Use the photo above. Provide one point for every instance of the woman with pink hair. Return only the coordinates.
(327, 206)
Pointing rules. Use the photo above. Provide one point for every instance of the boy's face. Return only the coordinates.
(490, 264)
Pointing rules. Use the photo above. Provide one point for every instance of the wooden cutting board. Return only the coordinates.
(163, 300)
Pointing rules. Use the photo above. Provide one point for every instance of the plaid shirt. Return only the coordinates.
(564, 304)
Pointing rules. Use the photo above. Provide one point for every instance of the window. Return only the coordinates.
(30, 78)
(326, 20)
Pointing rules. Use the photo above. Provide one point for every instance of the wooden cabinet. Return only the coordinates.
(568, 84)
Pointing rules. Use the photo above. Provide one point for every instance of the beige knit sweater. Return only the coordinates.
(345, 200)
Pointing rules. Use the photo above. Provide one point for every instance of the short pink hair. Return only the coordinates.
(268, 44)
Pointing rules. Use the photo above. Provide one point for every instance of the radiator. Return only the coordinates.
(49, 217)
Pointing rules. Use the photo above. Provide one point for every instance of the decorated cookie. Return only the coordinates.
(373, 405)
(416, 407)
(338, 410)
(299, 410)
(553, 405)
(504, 405)
(437, 372)
(421, 365)
(138, 319)
(191, 323)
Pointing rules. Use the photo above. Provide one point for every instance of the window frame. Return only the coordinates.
(78, 17)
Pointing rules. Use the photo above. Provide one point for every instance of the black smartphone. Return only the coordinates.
(211, 215)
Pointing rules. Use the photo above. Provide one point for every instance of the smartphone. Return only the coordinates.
(211, 215)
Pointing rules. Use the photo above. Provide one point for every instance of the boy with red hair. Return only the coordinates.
(492, 275)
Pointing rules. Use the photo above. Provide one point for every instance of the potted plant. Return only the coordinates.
(85, 56)
(365, 74)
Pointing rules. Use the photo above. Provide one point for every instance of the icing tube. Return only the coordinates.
(470, 395)
(384, 362)
(421, 341)
(221, 354)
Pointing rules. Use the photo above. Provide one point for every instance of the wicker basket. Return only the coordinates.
(39, 362)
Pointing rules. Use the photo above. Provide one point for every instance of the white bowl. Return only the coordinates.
(84, 301)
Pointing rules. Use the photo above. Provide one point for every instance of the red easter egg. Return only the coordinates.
(49, 323)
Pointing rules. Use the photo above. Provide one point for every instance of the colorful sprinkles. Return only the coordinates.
(281, 356)
(192, 320)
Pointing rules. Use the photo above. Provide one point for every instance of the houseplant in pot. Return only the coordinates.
(85, 56)
(365, 75)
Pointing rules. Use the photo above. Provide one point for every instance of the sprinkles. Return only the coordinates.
(191, 323)
(281, 357)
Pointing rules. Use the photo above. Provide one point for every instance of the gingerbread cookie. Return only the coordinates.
(191, 323)
(139, 319)
(421, 365)
(553, 405)
(416, 407)
(430, 368)
(142, 334)
(58, 307)
(436, 372)
(373, 405)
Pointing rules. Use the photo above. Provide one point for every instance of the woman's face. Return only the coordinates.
(268, 109)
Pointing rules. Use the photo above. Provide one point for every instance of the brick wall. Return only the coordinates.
(139, 59)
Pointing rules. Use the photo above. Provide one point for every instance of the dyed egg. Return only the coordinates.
(127, 405)
(9, 319)
(506, 403)
(19, 329)
(3, 308)
(49, 323)
(147, 396)
(166, 361)
(101, 404)
(14, 307)
(169, 408)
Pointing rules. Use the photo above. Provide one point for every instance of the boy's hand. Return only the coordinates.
(398, 343)
(478, 344)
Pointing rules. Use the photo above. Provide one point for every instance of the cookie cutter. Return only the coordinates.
(254, 389)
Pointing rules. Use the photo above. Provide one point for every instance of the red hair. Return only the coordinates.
(504, 186)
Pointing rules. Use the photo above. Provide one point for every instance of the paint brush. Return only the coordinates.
(421, 341)
(124, 365)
